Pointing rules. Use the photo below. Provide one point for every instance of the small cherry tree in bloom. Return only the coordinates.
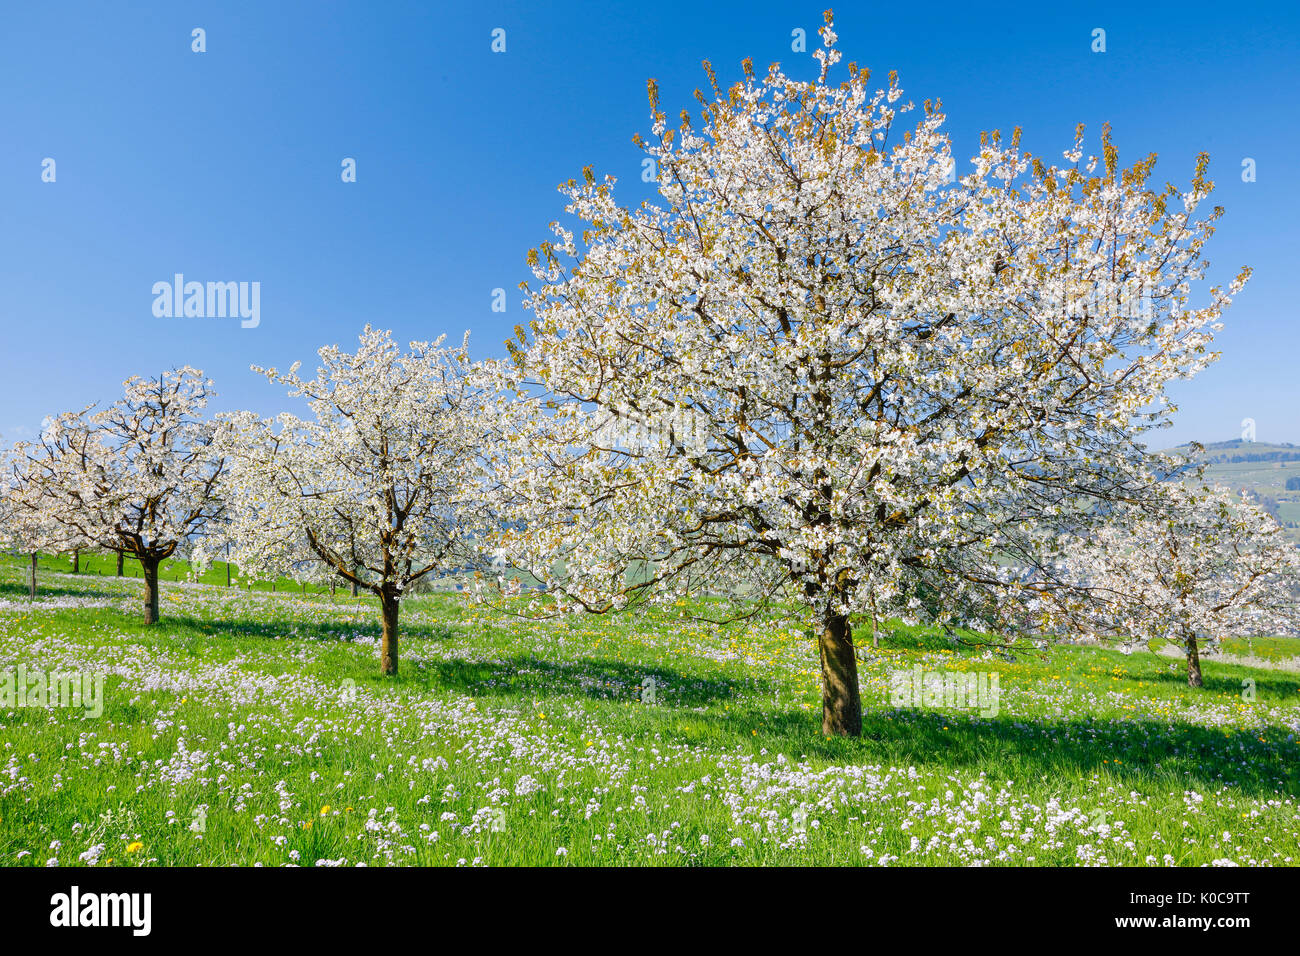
(19, 527)
(138, 476)
(28, 529)
(379, 487)
(1201, 566)
(866, 374)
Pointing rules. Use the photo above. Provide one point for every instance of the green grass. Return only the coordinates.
(105, 565)
(1268, 648)
(266, 715)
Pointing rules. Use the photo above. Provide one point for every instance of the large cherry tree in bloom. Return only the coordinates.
(870, 378)
(1196, 566)
(137, 477)
(380, 486)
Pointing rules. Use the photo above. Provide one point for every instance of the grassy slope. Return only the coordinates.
(266, 712)
(105, 565)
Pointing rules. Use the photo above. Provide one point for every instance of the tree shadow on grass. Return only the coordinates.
(342, 631)
(14, 591)
(1279, 683)
(594, 678)
(1134, 753)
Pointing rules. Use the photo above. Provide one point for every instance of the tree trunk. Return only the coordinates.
(150, 568)
(1193, 663)
(354, 588)
(841, 696)
(121, 559)
(389, 606)
(33, 581)
(76, 561)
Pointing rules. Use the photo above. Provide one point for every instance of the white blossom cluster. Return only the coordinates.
(380, 488)
(139, 476)
(1201, 566)
(890, 404)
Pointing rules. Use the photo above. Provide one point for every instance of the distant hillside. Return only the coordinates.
(1238, 451)
(1261, 468)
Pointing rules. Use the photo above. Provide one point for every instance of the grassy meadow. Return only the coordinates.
(253, 728)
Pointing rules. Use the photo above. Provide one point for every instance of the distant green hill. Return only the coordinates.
(1261, 468)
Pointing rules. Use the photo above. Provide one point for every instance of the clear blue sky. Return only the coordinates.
(225, 165)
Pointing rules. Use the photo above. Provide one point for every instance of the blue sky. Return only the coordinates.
(225, 165)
